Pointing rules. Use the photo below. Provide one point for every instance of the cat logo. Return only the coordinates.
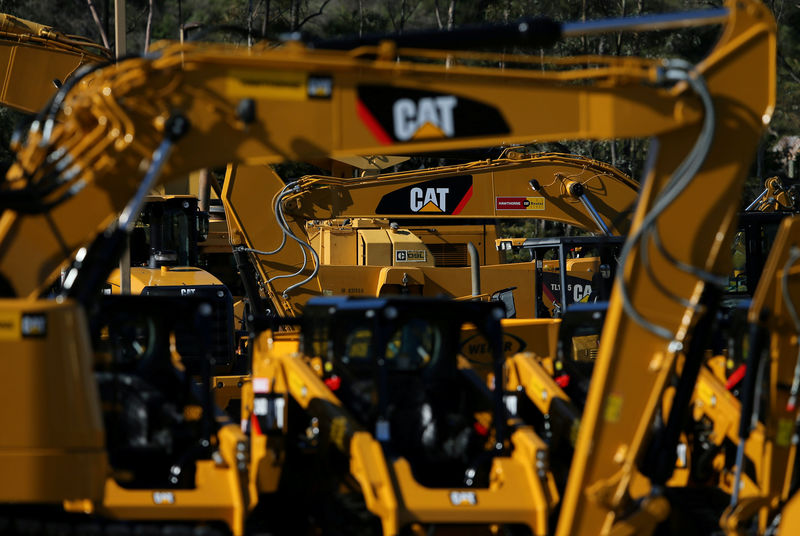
(463, 498)
(34, 325)
(429, 199)
(437, 197)
(320, 87)
(163, 497)
(404, 114)
(429, 117)
(581, 293)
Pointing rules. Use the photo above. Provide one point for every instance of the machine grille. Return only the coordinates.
(220, 334)
(451, 255)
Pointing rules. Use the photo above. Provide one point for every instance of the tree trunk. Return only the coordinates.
(249, 23)
(97, 21)
(295, 14)
(451, 15)
(439, 22)
(106, 16)
(613, 145)
(265, 21)
(584, 44)
(360, 17)
(619, 34)
(149, 25)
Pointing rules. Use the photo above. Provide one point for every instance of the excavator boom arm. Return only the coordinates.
(546, 186)
(274, 105)
(566, 188)
(36, 59)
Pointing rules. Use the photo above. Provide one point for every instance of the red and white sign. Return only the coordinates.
(519, 203)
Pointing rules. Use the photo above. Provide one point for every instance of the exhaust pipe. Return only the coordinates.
(474, 268)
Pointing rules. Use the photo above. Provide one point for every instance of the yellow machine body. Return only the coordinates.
(178, 276)
(36, 59)
(53, 446)
(518, 492)
(424, 254)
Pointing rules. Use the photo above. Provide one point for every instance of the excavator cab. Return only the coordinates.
(164, 262)
(574, 275)
(751, 245)
(168, 232)
(394, 363)
(570, 269)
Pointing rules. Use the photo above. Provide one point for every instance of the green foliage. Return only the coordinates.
(9, 121)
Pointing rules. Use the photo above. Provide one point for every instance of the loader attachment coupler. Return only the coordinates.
(394, 364)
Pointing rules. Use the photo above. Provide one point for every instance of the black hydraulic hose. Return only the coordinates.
(748, 396)
(257, 319)
(748, 392)
(203, 329)
(90, 269)
(660, 462)
(537, 32)
(495, 335)
(381, 334)
(48, 113)
(55, 103)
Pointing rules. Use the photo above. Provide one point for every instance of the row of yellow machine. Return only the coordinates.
(634, 381)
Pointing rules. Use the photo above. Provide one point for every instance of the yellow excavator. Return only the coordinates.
(201, 105)
(325, 238)
(174, 220)
(36, 60)
(768, 433)
(165, 261)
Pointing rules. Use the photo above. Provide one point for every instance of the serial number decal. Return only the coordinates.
(354, 290)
